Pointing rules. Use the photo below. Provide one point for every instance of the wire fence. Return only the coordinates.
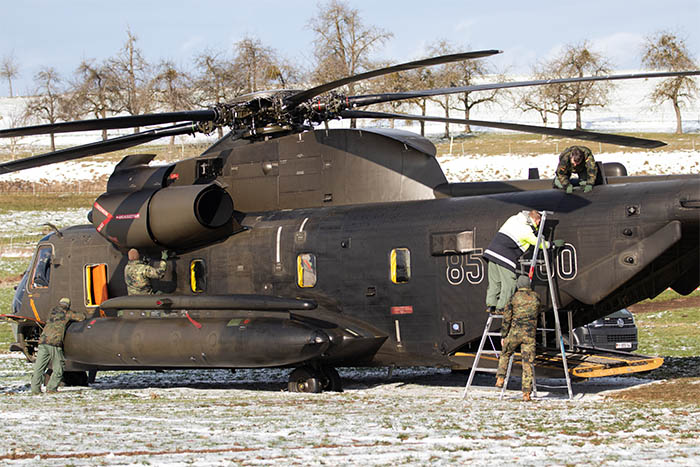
(77, 187)
(18, 245)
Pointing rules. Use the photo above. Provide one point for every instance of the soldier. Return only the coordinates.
(51, 346)
(513, 239)
(138, 274)
(519, 330)
(577, 159)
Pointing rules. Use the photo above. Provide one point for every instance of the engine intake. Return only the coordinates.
(179, 217)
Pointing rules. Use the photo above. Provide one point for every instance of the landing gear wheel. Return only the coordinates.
(305, 379)
(331, 379)
(75, 378)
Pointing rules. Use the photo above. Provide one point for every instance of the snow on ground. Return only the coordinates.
(476, 168)
(31, 222)
(416, 416)
(457, 167)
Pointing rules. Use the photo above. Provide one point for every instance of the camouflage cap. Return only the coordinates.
(523, 282)
(64, 301)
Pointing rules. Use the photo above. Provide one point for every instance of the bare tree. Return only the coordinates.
(256, 64)
(16, 117)
(444, 76)
(216, 82)
(171, 89)
(577, 61)
(130, 79)
(421, 78)
(343, 44)
(545, 100)
(666, 51)
(467, 73)
(47, 102)
(9, 69)
(91, 92)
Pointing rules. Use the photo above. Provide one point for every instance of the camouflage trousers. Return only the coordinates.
(527, 352)
(45, 355)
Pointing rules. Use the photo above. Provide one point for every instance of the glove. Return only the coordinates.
(588, 188)
(164, 255)
(558, 243)
(569, 189)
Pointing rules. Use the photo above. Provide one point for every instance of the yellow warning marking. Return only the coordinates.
(31, 302)
(584, 369)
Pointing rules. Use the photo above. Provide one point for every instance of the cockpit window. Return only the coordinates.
(42, 267)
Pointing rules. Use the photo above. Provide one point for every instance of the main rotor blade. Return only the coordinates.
(619, 140)
(110, 123)
(313, 92)
(92, 149)
(358, 101)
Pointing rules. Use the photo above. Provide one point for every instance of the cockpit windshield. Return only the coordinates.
(42, 267)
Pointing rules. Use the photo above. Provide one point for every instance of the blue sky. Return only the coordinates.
(61, 34)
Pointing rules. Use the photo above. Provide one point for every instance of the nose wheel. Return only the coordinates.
(312, 380)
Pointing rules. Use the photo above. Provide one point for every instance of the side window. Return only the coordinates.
(42, 267)
(95, 284)
(306, 270)
(198, 276)
(400, 261)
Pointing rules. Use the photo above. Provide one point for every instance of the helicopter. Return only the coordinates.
(315, 249)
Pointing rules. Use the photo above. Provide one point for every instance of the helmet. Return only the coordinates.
(65, 301)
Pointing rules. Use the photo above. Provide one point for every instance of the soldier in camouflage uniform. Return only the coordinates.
(138, 274)
(519, 330)
(51, 346)
(579, 160)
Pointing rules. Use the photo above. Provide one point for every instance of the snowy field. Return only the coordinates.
(416, 416)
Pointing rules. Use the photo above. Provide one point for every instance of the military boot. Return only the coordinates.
(499, 382)
(526, 397)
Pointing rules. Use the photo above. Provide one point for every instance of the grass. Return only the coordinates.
(6, 338)
(522, 144)
(671, 333)
(670, 294)
(12, 202)
(163, 152)
(11, 268)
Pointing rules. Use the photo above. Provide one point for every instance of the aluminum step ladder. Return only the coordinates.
(557, 327)
(488, 334)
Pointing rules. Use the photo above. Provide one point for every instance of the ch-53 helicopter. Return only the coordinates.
(315, 249)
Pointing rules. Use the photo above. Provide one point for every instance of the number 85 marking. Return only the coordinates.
(468, 266)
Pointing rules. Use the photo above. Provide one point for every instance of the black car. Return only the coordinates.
(616, 331)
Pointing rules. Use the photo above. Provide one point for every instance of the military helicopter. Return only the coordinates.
(315, 249)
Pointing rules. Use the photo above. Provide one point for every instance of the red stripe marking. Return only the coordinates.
(194, 323)
(402, 310)
(105, 213)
